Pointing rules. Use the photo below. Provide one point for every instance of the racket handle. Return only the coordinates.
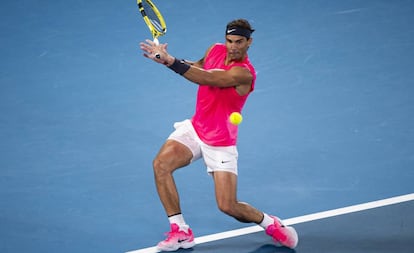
(156, 41)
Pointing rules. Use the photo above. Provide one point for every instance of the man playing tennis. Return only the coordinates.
(225, 78)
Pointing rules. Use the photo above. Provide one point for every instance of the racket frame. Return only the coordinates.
(155, 33)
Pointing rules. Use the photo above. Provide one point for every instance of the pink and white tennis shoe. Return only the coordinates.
(281, 234)
(177, 238)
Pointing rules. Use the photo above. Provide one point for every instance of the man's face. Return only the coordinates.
(237, 47)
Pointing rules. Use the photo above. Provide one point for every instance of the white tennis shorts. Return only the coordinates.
(215, 158)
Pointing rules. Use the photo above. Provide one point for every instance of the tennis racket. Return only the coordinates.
(153, 18)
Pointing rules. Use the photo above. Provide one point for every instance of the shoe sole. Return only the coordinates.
(183, 245)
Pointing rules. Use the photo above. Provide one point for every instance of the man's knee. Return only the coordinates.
(171, 157)
(226, 207)
(160, 167)
(233, 209)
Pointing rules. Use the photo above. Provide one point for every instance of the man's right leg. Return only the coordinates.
(172, 155)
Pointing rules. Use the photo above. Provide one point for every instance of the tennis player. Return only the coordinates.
(225, 78)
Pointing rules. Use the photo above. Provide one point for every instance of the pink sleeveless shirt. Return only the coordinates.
(214, 105)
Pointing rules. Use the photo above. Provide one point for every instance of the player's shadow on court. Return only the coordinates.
(270, 248)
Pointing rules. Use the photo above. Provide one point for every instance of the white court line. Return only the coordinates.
(296, 220)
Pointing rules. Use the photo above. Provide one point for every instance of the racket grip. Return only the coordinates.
(156, 41)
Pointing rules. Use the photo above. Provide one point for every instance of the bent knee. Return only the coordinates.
(161, 167)
(172, 156)
(226, 207)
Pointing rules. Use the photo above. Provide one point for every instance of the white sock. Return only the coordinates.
(179, 220)
(267, 220)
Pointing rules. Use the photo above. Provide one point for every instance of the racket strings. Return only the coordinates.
(153, 17)
(157, 25)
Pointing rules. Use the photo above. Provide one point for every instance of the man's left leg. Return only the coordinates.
(226, 197)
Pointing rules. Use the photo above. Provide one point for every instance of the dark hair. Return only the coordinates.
(241, 23)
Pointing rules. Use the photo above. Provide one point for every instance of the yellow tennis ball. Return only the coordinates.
(235, 118)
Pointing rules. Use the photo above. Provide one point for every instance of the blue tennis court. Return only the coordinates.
(83, 113)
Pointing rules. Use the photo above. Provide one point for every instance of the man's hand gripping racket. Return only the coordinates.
(154, 51)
